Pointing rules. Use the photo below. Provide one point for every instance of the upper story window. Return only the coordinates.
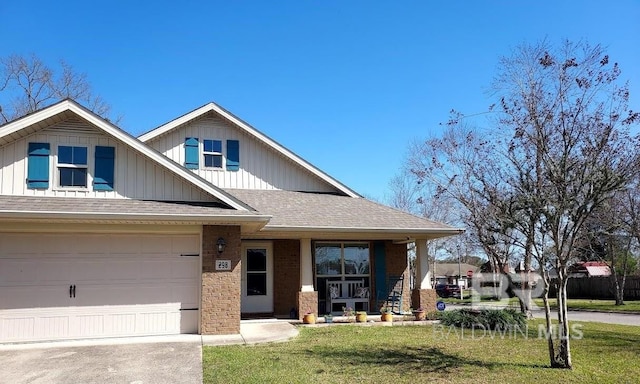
(212, 153)
(72, 166)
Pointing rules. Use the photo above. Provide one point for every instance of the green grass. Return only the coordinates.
(409, 354)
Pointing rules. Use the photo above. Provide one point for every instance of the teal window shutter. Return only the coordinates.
(38, 166)
(233, 155)
(191, 153)
(380, 270)
(104, 170)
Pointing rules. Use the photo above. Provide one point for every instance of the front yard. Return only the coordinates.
(408, 354)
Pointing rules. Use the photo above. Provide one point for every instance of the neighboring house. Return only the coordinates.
(182, 230)
(589, 269)
(454, 273)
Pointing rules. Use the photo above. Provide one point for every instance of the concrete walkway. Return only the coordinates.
(256, 331)
(134, 360)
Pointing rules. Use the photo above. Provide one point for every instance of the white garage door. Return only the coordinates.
(69, 286)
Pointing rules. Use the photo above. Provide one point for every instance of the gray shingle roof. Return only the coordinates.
(112, 209)
(306, 210)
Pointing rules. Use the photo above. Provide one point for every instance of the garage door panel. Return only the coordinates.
(40, 297)
(54, 244)
(185, 268)
(185, 245)
(151, 268)
(127, 245)
(15, 271)
(51, 271)
(125, 285)
(158, 245)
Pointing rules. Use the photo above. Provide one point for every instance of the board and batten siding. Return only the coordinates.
(261, 167)
(135, 176)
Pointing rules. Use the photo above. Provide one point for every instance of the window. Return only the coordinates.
(257, 272)
(340, 261)
(213, 153)
(72, 166)
(38, 166)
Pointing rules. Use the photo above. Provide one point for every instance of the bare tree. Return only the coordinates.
(559, 149)
(27, 84)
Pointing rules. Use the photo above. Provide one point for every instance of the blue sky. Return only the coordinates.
(344, 84)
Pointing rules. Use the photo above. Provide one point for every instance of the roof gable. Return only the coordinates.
(68, 109)
(252, 132)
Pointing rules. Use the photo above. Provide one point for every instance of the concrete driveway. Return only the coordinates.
(128, 361)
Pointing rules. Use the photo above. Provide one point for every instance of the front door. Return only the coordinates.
(257, 277)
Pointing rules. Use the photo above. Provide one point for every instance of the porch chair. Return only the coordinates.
(348, 294)
(395, 287)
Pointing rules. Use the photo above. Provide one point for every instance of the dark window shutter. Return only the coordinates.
(104, 173)
(233, 155)
(38, 166)
(191, 153)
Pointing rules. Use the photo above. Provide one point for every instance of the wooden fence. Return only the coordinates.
(599, 288)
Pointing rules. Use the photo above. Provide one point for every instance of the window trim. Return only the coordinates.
(206, 153)
(342, 275)
(86, 167)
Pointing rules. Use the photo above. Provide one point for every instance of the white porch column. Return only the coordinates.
(422, 265)
(306, 266)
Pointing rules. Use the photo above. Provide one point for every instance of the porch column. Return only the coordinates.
(423, 274)
(306, 266)
(423, 296)
(307, 297)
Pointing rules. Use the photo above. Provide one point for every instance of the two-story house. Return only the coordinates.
(182, 230)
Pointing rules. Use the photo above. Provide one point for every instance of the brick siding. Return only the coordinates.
(220, 306)
(286, 282)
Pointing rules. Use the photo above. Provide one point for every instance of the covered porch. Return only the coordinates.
(328, 276)
(315, 241)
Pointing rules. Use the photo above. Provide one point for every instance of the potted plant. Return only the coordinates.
(361, 317)
(328, 318)
(420, 314)
(386, 314)
(309, 318)
(348, 313)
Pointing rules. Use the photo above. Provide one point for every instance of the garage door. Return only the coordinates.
(69, 286)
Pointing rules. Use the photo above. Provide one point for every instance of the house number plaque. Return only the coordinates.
(223, 265)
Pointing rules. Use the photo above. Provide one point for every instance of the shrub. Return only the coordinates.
(488, 318)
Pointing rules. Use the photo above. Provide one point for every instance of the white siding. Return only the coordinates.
(136, 176)
(261, 167)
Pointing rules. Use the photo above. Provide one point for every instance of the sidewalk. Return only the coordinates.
(598, 317)
(254, 332)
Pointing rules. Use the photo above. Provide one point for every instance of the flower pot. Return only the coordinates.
(309, 318)
(361, 317)
(420, 315)
(386, 317)
(328, 319)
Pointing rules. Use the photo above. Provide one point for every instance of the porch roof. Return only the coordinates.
(328, 215)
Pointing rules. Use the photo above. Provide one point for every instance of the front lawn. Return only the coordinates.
(408, 354)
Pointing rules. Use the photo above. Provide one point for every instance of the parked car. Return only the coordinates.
(448, 290)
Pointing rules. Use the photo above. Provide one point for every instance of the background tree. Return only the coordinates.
(27, 84)
(558, 150)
